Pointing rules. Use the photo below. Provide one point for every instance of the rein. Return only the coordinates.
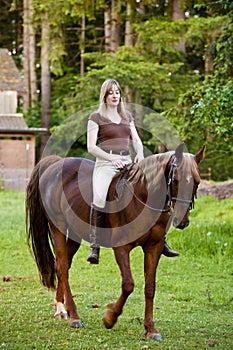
(123, 180)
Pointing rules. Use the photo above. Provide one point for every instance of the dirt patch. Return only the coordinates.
(221, 191)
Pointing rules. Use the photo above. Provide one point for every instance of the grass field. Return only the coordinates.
(194, 297)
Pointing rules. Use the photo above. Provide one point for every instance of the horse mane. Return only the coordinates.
(153, 168)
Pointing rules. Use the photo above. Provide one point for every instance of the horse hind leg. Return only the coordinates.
(59, 307)
(64, 250)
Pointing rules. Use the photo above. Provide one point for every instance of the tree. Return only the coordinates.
(129, 32)
(11, 28)
(45, 81)
(203, 113)
(112, 26)
(213, 111)
(26, 68)
(138, 43)
(82, 45)
(203, 35)
(177, 15)
(29, 59)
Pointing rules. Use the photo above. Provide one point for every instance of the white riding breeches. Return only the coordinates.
(103, 174)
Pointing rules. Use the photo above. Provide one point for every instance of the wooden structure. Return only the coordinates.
(17, 140)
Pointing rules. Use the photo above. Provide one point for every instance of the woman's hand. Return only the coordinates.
(118, 164)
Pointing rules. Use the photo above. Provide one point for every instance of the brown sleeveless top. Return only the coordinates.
(113, 136)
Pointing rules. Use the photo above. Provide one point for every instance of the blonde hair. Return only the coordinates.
(106, 87)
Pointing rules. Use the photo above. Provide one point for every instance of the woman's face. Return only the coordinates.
(113, 96)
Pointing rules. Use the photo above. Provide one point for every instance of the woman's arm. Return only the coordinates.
(137, 143)
(92, 134)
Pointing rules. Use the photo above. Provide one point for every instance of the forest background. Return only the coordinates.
(173, 56)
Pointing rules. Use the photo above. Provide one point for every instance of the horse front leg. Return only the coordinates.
(62, 264)
(151, 260)
(115, 309)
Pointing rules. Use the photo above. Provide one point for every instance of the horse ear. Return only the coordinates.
(179, 151)
(200, 155)
(163, 148)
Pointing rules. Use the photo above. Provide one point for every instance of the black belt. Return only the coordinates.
(121, 153)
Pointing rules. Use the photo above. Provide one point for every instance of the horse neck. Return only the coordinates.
(149, 180)
(154, 170)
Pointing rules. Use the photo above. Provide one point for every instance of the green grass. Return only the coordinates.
(193, 303)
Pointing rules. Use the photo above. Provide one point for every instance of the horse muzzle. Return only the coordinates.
(181, 224)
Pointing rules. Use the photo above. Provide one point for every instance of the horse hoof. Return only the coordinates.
(154, 336)
(61, 316)
(158, 337)
(60, 313)
(107, 324)
(110, 316)
(76, 324)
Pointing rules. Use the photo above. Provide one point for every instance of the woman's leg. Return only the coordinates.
(96, 224)
(102, 177)
(103, 174)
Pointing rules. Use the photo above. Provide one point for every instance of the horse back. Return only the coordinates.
(77, 183)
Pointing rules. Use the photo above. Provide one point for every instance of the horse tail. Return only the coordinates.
(37, 225)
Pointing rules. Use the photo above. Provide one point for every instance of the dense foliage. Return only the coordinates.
(190, 85)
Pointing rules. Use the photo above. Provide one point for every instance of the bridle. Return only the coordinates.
(170, 198)
(169, 189)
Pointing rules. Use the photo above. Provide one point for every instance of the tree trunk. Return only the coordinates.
(107, 29)
(129, 33)
(82, 65)
(32, 59)
(209, 65)
(129, 95)
(115, 27)
(29, 60)
(177, 11)
(178, 14)
(45, 82)
(112, 27)
(141, 6)
(26, 96)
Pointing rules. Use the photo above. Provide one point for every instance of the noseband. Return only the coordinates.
(169, 189)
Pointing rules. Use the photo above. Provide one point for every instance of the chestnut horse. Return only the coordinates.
(143, 200)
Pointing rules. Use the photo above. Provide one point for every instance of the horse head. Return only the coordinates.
(183, 180)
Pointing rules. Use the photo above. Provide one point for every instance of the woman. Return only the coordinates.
(110, 131)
